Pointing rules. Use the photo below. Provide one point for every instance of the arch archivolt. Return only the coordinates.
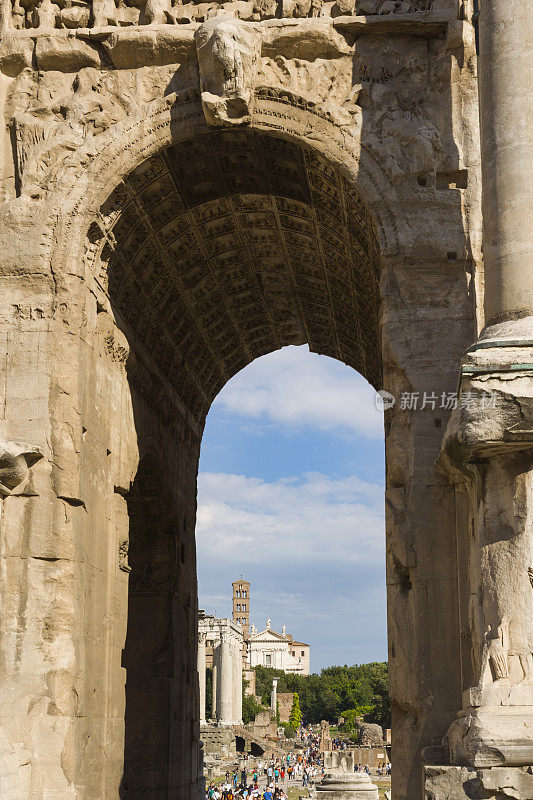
(217, 250)
(150, 153)
(177, 118)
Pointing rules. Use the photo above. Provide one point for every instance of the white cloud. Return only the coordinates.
(310, 519)
(313, 545)
(297, 388)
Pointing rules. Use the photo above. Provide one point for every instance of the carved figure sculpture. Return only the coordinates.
(343, 8)
(15, 463)
(104, 13)
(74, 15)
(44, 15)
(228, 52)
(496, 655)
(302, 8)
(157, 12)
(264, 9)
(123, 549)
(18, 15)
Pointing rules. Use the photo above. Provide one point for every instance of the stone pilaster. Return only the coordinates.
(489, 446)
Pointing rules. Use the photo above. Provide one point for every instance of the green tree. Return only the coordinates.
(290, 733)
(362, 687)
(295, 718)
(250, 706)
(351, 714)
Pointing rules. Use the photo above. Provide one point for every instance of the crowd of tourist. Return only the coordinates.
(269, 780)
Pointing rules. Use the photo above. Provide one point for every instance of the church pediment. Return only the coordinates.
(268, 636)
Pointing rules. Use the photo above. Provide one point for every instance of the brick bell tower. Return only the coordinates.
(241, 605)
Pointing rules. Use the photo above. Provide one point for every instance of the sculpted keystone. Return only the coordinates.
(228, 52)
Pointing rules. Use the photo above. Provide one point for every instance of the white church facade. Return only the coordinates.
(268, 648)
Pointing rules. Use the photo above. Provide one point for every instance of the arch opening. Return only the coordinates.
(291, 496)
(208, 255)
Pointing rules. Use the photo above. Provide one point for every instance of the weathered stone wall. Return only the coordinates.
(145, 260)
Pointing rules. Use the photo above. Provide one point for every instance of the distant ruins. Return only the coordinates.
(231, 651)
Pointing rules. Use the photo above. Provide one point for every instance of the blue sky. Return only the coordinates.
(290, 495)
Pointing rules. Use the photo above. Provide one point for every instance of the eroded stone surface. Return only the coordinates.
(460, 783)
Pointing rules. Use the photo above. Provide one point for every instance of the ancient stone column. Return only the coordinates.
(226, 681)
(237, 683)
(201, 674)
(214, 698)
(274, 696)
(506, 110)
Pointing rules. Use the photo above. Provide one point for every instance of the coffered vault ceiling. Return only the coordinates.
(222, 249)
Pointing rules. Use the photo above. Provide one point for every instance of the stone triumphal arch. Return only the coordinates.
(186, 187)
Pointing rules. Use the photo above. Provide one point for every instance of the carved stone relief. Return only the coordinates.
(46, 15)
(385, 92)
(327, 81)
(52, 114)
(395, 97)
(123, 556)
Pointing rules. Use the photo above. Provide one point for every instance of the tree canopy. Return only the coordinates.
(362, 688)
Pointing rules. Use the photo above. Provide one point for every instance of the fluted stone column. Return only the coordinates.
(201, 674)
(226, 681)
(505, 66)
